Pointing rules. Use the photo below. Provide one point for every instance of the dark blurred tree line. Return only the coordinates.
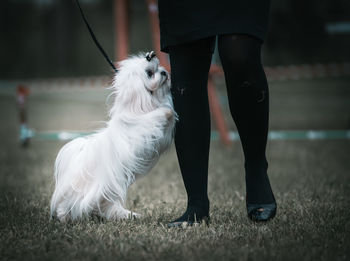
(297, 32)
(46, 38)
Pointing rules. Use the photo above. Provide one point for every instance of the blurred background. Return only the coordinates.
(47, 38)
(53, 83)
(46, 46)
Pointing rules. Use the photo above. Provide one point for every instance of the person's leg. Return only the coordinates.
(190, 65)
(249, 105)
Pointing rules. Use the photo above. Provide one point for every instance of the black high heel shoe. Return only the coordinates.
(257, 178)
(192, 216)
(261, 212)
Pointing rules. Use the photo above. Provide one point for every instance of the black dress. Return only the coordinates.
(183, 21)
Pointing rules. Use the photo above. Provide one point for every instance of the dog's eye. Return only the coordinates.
(149, 73)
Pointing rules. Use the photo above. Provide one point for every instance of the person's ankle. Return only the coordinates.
(254, 165)
(201, 204)
(258, 185)
(191, 216)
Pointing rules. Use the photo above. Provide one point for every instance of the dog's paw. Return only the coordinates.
(169, 113)
(127, 214)
(163, 115)
(61, 214)
(64, 218)
(134, 215)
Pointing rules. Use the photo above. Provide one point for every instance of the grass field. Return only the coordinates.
(311, 180)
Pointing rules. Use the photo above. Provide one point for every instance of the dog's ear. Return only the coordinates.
(126, 83)
(132, 94)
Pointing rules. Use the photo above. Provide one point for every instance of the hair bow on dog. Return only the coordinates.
(150, 55)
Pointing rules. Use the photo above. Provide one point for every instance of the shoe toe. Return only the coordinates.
(261, 212)
(179, 224)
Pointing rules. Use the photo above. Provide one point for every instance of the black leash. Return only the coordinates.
(94, 38)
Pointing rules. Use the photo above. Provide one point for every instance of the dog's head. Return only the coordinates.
(141, 83)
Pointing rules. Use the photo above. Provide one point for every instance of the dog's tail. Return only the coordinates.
(66, 166)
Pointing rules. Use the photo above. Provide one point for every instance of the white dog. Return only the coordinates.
(93, 173)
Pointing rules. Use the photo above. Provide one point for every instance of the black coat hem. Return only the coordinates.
(208, 32)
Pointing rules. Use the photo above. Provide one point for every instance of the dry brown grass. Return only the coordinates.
(310, 178)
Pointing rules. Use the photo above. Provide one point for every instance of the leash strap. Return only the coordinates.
(94, 38)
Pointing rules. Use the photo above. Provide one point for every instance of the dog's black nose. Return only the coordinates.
(164, 73)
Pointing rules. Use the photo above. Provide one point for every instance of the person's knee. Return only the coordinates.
(238, 63)
(190, 65)
(239, 54)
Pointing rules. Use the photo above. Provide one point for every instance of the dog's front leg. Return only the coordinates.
(162, 115)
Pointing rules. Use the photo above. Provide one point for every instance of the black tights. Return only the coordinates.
(249, 105)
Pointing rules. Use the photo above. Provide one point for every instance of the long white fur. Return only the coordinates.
(93, 173)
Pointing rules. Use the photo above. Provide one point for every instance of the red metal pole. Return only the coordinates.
(121, 26)
(22, 93)
(153, 15)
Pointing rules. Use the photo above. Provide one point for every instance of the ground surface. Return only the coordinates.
(311, 181)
